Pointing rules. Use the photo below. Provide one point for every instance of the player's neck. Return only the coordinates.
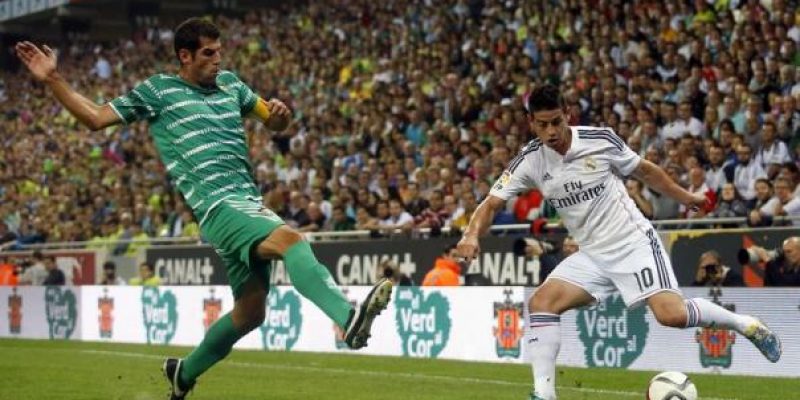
(191, 79)
(565, 144)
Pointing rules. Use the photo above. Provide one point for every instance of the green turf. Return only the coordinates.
(79, 370)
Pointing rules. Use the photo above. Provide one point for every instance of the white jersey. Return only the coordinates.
(584, 186)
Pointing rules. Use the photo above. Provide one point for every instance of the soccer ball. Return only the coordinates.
(671, 386)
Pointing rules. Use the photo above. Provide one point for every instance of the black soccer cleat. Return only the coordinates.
(172, 368)
(360, 323)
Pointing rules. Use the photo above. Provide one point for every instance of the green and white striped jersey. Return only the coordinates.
(199, 133)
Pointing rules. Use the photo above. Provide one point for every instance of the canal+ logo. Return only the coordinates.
(612, 335)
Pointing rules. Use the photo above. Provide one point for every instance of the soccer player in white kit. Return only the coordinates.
(580, 171)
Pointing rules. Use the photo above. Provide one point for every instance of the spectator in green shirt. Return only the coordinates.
(147, 276)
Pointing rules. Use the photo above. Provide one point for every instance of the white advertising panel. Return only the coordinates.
(467, 323)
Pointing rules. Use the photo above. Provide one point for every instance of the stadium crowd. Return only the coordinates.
(405, 113)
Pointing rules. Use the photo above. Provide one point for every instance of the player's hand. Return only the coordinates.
(467, 249)
(697, 202)
(280, 115)
(41, 62)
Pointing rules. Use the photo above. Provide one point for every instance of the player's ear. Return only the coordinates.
(185, 56)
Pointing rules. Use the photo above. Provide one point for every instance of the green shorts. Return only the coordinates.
(234, 227)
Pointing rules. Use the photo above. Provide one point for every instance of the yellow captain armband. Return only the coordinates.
(261, 110)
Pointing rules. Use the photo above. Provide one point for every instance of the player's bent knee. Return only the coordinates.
(280, 240)
(544, 301)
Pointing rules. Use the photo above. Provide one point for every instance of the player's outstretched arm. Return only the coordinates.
(655, 177)
(273, 113)
(479, 224)
(42, 65)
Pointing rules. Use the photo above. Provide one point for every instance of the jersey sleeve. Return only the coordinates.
(623, 159)
(517, 178)
(141, 103)
(246, 97)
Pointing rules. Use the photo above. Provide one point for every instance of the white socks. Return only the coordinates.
(707, 314)
(543, 346)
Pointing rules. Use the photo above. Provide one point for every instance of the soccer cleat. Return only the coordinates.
(360, 322)
(172, 368)
(764, 339)
(533, 396)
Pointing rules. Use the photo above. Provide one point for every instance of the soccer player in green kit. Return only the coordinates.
(195, 118)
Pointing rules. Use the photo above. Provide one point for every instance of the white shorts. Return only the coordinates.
(636, 274)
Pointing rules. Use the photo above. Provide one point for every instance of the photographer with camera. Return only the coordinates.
(783, 265)
(711, 272)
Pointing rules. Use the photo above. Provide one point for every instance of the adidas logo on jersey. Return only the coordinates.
(546, 177)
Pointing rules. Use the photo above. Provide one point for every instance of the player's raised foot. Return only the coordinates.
(360, 322)
(764, 339)
(172, 368)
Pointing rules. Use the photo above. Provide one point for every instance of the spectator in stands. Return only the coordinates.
(9, 274)
(711, 272)
(550, 260)
(788, 204)
(697, 185)
(636, 191)
(55, 276)
(110, 276)
(665, 207)
(7, 238)
(773, 152)
(378, 112)
(715, 171)
(340, 221)
(36, 273)
(791, 173)
(729, 204)
(784, 270)
(316, 219)
(147, 276)
(470, 204)
(296, 215)
(398, 218)
(435, 215)
(446, 270)
(365, 221)
(746, 172)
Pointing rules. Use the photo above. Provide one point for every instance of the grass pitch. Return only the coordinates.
(79, 370)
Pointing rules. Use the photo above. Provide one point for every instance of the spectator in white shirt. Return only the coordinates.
(685, 123)
(773, 152)
(715, 172)
(398, 218)
(784, 202)
(746, 172)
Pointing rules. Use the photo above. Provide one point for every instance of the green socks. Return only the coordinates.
(217, 343)
(315, 283)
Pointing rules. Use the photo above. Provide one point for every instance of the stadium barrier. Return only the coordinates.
(474, 323)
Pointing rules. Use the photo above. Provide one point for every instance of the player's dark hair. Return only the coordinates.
(189, 32)
(545, 97)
